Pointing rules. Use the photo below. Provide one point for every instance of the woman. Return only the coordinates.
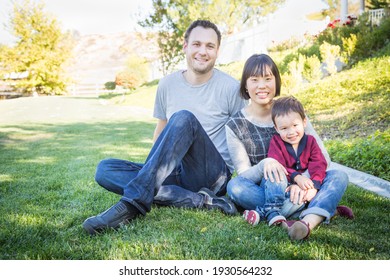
(248, 136)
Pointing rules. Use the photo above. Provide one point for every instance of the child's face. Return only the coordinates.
(291, 127)
(262, 89)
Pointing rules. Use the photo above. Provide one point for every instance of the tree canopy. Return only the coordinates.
(40, 50)
(171, 18)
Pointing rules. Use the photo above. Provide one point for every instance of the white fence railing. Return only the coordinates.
(94, 89)
(375, 16)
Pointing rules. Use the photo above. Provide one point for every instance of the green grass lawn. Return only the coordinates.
(47, 187)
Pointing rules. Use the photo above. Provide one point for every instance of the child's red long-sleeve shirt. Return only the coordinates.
(309, 157)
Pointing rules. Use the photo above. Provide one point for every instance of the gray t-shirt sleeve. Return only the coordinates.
(160, 108)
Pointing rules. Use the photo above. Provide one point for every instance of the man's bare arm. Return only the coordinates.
(159, 127)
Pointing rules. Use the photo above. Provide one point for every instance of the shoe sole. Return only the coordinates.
(287, 224)
(299, 231)
(252, 217)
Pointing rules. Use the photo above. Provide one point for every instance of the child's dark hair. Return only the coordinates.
(255, 66)
(204, 24)
(284, 105)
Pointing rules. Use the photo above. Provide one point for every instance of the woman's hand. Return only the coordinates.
(273, 170)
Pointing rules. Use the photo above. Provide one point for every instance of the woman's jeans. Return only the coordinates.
(250, 195)
(181, 162)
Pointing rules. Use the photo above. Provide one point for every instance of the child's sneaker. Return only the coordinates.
(274, 218)
(251, 216)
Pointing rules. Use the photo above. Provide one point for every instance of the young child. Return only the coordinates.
(295, 150)
(301, 156)
(298, 152)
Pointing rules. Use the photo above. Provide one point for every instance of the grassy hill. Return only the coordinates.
(351, 112)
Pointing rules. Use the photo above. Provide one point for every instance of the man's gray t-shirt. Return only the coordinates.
(213, 103)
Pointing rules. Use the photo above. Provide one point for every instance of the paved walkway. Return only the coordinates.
(84, 109)
(365, 181)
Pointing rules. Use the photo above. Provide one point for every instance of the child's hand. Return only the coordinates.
(310, 194)
(303, 182)
(296, 194)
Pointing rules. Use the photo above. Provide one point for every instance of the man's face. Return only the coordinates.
(201, 50)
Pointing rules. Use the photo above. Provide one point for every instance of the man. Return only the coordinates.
(189, 164)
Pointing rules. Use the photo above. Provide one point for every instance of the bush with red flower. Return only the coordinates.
(350, 21)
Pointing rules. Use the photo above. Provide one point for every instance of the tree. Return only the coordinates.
(135, 73)
(40, 50)
(378, 4)
(172, 17)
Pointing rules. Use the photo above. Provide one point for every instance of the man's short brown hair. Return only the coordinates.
(205, 24)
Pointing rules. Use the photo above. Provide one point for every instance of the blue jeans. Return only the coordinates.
(249, 195)
(181, 162)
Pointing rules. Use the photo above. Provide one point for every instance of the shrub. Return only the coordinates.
(349, 46)
(358, 41)
(312, 69)
(330, 53)
(284, 65)
(284, 45)
(127, 80)
(110, 85)
(289, 84)
(371, 154)
(135, 74)
(311, 50)
(372, 40)
(295, 68)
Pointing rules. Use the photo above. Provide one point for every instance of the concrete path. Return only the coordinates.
(365, 181)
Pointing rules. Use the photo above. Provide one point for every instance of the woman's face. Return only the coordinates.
(262, 89)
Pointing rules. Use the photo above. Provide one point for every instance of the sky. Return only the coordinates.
(114, 16)
(86, 16)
